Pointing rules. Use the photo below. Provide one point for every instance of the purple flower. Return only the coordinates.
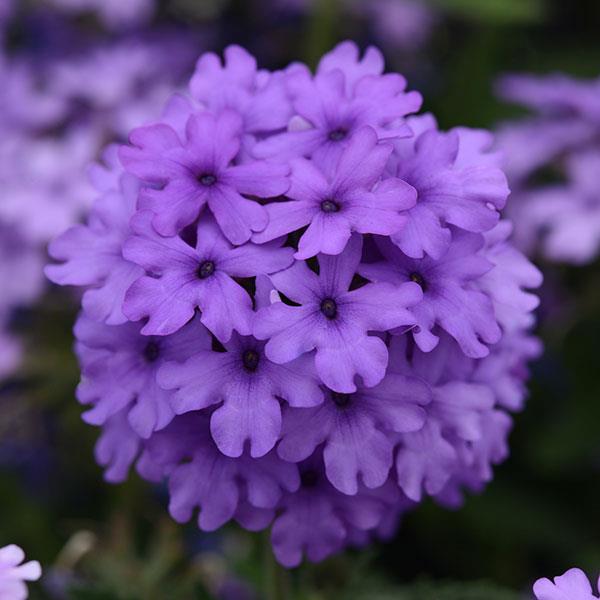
(425, 462)
(572, 585)
(334, 321)
(556, 95)
(450, 301)
(405, 24)
(317, 520)
(89, 96)
(122, 371)
(456, 185)
(473, 467)
(339, 335)
(13, 574)
(259, 97)
(346, 57)
(250, 388)
(121, 83)
(505, 369)
(354, 429)
(530, 144)
(198, 171)
(22, 107)
(506, 283)
(562, 220)
(44, 190)
(118, 446)
(21, 270)
(200, 476)
(457, 418)
(353, 200)
(327, 113)
(182, 277)
(92, 253)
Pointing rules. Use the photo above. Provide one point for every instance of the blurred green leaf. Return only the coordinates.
(498, 12)
(429, 590)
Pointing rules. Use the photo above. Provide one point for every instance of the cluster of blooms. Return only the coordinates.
(301, 306)
(553, 165)
(572, 585)
(57, 110)
(13, 574)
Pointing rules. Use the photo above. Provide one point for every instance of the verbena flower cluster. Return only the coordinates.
(572, 585)
(13, 574)
(553, 164)
(301, 306)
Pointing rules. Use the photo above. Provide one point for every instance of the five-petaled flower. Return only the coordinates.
(334, 320)
(353, 198)
(181, 277)
(185, 175)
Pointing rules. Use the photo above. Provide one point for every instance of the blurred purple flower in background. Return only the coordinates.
(404, 24)
(60, 105)
(21, 277)
(572, 585)
(553, 162)
(13, 574)
(324, 379)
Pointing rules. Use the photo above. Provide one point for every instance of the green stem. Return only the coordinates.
(277, 583)
(322, 29)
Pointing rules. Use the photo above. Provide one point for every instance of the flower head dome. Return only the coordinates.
(301, 307)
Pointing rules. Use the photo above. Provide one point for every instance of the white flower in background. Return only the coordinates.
(13, 574)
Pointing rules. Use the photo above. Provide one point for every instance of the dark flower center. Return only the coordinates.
(151, 351)
(207, 179)
(329, 308)
(341, 400)
(206, 269)
(418, 278)
(338, 134)
(250, 359)
(309, 478)
(330, 206)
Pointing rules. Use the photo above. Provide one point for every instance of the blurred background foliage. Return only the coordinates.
(540, 514)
